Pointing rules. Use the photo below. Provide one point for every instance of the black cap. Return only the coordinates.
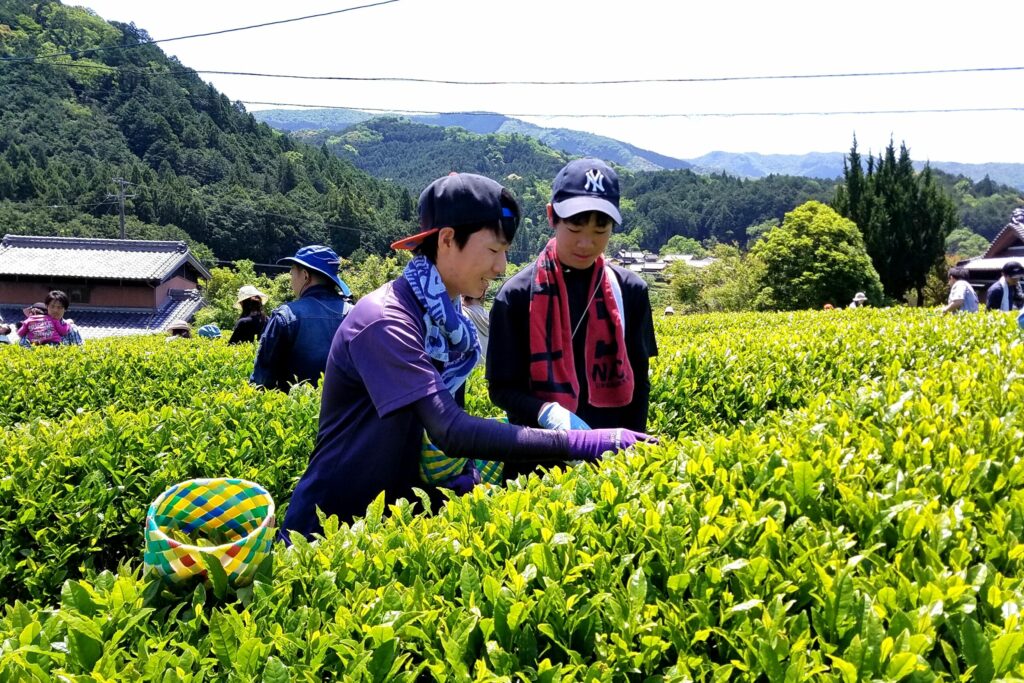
(586, 185)
(1013, 269)
(458, 199)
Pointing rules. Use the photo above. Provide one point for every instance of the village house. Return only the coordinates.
(1007, 246)
(116, 287)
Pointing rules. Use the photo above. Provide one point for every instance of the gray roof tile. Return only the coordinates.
(93, 258)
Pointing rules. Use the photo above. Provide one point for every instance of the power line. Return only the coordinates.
(950, 110)
(75, 53)
(625, 81)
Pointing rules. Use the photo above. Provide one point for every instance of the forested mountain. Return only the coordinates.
(83, 101)
(824, 165)
(656, 205)
(984, 207)
(715, 207)
(573, 142)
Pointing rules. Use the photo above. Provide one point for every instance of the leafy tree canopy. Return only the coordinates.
(815, 257)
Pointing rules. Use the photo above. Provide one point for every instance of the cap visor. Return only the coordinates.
(413, 241)
(575, 205)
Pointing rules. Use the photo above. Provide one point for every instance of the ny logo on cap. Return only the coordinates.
(595, 181)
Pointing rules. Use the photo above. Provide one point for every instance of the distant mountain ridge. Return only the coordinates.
(828, 165)
(824, 165)
(574, 142)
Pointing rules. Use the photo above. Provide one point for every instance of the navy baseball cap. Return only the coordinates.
(461, 199)
(321, 259)
(586, 185)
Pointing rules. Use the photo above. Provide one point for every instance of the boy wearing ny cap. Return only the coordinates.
(399, 362)
(298, 335)
(571, 336)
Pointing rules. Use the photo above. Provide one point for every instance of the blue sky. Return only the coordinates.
(641, 39)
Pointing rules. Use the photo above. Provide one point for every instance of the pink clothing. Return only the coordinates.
(43, 329)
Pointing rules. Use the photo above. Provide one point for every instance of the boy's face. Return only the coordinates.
(470, 270)
(55, 309)
(578, 244)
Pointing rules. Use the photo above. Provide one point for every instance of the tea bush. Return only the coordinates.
(839, 497)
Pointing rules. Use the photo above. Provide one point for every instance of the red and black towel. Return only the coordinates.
(552, 367)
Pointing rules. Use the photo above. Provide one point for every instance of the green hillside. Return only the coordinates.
(201, 167)
(572, 142)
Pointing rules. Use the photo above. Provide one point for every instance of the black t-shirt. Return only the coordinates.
(508, 352)
(248, 328)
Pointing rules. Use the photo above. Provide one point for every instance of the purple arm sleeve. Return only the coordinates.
(463, 436)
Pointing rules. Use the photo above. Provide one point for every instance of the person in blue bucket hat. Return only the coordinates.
(298, 335)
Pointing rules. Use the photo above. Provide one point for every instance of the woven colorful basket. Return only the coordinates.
(235, 510)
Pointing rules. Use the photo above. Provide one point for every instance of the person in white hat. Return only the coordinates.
(179, 329)
(250, 326)
(860, 299)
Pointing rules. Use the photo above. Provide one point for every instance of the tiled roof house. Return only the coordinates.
(116, 287)
(1008, 245)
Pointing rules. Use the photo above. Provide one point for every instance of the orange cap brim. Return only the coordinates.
(413, 241)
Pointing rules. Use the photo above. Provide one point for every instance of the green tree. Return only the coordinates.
(367, 274)
(904, 217)
(221, 293)
(965, 243)
(677, 244)
(815, 257)
(731, 282)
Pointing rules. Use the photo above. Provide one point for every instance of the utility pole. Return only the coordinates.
(120, 197)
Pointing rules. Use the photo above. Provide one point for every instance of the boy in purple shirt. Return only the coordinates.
(401, 357)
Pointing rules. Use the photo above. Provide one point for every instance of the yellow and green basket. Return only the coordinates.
(236, 509)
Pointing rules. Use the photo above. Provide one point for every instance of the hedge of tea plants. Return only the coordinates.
(837, 496)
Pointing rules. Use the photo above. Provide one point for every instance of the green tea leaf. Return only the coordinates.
(1004, 651)
(216, 574)
(276, 672)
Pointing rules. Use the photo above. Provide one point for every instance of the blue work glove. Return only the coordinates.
(464, 482)
(554, 416)
(590, 445)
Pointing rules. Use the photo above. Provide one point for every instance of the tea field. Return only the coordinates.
(837, 496)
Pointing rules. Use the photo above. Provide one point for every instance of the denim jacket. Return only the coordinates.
(297, 339)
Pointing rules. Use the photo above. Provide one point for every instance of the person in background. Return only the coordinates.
(45, 322)
(179, 329)
(4, 331)
(399, 362)
(1002, 295)
(572, 336)
(669, 310)
(250, 326)
(962, 298)
(297, 338)
(473, 308)
(860, 300)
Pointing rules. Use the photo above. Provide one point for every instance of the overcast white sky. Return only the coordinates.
(604, 39)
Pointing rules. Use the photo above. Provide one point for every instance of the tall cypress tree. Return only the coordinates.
(904, 217)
